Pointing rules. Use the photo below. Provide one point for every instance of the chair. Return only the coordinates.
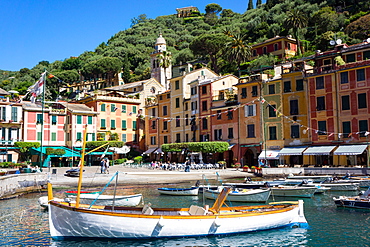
(147, 209)
(196, 210)
(54, 172)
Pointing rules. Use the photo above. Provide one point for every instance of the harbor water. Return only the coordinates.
(24, 223)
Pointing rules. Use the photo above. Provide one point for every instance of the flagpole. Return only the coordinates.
(42, 123)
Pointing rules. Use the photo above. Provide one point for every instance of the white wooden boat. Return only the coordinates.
(75, 220)
(44, 201)
(192, 191)
(293, 191)
(314, 178)
(126, 200)
(242, 195)
(362, 201)
(341, 186)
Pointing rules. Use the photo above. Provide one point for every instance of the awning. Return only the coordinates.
(350, 150)
(231, 146)
(319, 150)
(292, 151)
(269, 155)
(68, 152)
(158, 151)
(149, 151)
(123, 150)
(100, 153)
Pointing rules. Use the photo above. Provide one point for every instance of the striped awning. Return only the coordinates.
(292, 151)
(269, 155)
(350, 150)
(149, 151)
(319, 150)
(158, 151)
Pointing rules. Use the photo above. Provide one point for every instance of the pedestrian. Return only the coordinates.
(107, 165)
(187, 165)
(102, 166)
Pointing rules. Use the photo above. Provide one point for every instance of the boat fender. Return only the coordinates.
(217, 222)
(160, 222)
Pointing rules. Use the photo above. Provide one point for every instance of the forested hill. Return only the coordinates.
(205, 36)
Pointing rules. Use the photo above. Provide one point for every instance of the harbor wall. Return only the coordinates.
(18, 183)
(315, 171)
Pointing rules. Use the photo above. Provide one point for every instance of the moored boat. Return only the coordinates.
(293, 191)
(362, 201)
(341, 186)
(314, 178)
(122, 200)
(243, 195)
(192, 191)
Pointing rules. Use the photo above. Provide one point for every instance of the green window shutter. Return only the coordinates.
(134, 125)
(53, 120)
(102, 107)
(113, 124)
(124, 108)
(93, 137)
(79, 136)
(39, 135)
(39, 119)
(14, 116)
(53, 136)
(102, 123)
(112, 107)
(79, 119)
(124, 137)
(124, 124)
(134, 109)
(89, 120)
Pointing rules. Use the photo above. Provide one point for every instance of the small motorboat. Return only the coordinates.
(338, 186)
(192, 191)
(240, 195)
(294, 191)
(361, 201)
(98, 199)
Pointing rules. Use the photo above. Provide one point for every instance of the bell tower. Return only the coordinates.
(157, 71)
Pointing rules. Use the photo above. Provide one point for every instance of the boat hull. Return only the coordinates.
(341, 186)
(347, 203)
(127, 201)
(179, 191)
(70, 222)
(257, 195)
(306, 192)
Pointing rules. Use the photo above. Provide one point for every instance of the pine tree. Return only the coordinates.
(250, 5)
(259, 2)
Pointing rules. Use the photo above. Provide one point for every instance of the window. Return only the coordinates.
(124, 108)
(79, 119)
(165, 125)
(250, 131)
(14, 116)
(254, 53)
(230, 133)
(294, 131)
(186, 106)
(165, 139)
(363, 127)
(177, 85)
(366, 55)
(344, 77)
(154, 114)
(39, 118)
(276, 47)
(113, 124)
(272, 133)
(124, 124)
(345, 103)
(53, 120)
(360, 73)
(152, 140)
(102, 107)
(178, 137)
(361, 100)
(264, 50)
(134, 109)
(219, 114)
(186, 137)
(320, 103)
(193, 91)
(177, 121)
(53, 136)
(204, 90)
(350, 58)
(346, 129)
(165, 110)
(272, 110)
(113, 107)
(168, 96)
(319, 82)
(102, 123)
(249, 110)
(244, 93)
(133, 125)
(294, 107)
(135, 138)
(299, 85)
(177, 102)
(3, 113)
(229, 114)
(89, 119)
(79, 136)
(124, 138)
(218, 134)
(322, 127)
(39, 135)
(287, 87)
(272, 89)
(204, 123)
(254, 91)
(186, 119)
(193, 106)
(204, 105)
(153, 124)
(160, 97)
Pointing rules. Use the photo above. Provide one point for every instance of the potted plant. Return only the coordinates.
(253, 169)
(237, 166)
(245, 168)
(222, 164)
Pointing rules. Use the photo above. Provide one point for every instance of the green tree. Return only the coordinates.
(212, 11)
(165, 62)
(259, 3)
(296, 20)
(250, 5)
(71, 63)
(126, 74)
(359, 29)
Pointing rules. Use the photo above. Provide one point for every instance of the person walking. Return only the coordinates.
(106, 165)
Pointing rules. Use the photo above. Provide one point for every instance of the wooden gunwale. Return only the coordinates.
(229, 214)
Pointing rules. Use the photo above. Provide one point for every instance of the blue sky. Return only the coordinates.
(37, 30)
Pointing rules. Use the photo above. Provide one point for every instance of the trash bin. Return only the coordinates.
(27, 170)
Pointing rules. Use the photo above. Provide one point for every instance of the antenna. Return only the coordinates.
(368, 40)
(332, 42)
(339, 41)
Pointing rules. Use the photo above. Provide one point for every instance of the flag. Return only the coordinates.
(104, 153)
(37, 88)
(50, 76)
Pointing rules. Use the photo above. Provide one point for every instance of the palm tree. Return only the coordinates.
(296, 20)
(165, 62)
(237, 50)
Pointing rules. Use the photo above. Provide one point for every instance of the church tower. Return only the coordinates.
(159, 73)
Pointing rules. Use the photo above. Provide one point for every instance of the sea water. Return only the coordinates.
(24, 223)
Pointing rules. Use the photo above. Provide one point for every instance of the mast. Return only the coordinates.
(42, 123)
(81, 168)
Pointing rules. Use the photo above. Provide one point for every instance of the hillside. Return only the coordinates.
(317, 23)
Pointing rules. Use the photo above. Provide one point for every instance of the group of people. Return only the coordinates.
(104, 165)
